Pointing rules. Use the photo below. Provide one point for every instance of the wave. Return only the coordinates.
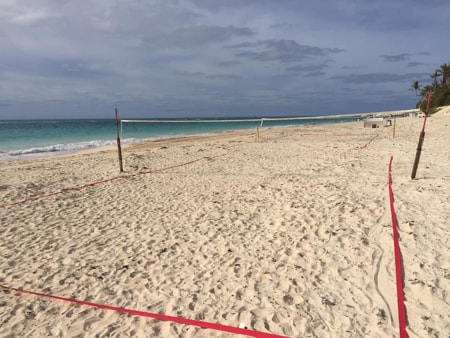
(67, 147)
(64, 148)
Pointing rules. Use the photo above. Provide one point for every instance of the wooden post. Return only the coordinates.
(393, 129)
(421, 139)
(119, 148)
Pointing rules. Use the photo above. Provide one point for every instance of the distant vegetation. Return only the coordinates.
(440, 87)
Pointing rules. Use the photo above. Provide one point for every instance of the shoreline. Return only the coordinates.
(49, 154)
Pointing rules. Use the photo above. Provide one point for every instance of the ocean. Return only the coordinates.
(21, 139)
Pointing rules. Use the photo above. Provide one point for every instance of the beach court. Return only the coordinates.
(289, 234)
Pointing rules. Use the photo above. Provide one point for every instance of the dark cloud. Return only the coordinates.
(223, 76)
(189, 74)
(372, 78)
(350, 67)
(396, 58)
(54, 68)
(229, 63)
(218, 76)
(306, 68)
(212, 5)
(415, 64)
(196, 36)
(315, 74)
(281, 50)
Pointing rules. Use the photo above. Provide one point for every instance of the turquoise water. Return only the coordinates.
(25, 138)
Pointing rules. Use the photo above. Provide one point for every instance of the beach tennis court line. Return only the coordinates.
(397, 259)
(368, 143)
(178, 320)
(81, 187)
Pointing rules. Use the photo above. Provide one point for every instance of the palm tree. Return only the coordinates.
(435, 83)
(415, 86)
(425, 89)
(444, 72)
(424, 93)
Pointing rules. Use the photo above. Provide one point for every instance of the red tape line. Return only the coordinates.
(367, 144)
(78, 188)
(179, 320)
(398, 260)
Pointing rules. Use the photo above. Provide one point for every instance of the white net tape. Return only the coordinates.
(261, 120)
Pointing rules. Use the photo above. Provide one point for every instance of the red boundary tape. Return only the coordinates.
(4, 206)
(179, 320)
(367, 144)
(398, 260)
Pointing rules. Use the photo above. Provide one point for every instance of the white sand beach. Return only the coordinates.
(290, 234)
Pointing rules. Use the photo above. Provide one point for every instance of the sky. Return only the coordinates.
(216, 58)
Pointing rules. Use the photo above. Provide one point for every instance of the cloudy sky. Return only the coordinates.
(196, 58)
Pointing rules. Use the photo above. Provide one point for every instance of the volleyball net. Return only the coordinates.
(225, 121)
(187, 122)
(227, 125)
(136, 130)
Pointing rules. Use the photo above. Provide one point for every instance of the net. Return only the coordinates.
(233, 123)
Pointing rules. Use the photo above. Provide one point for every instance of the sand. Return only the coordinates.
(289, 233)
